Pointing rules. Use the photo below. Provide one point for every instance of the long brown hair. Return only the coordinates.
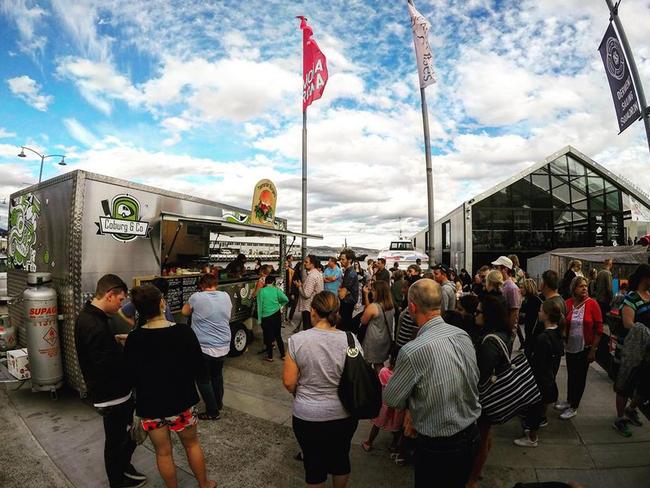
(383, 295)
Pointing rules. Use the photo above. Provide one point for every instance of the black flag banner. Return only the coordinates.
(620, 80)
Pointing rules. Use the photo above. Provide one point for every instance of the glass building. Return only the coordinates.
(567, 200)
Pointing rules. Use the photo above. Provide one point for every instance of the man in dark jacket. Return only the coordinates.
(104, 369)
(348, 292)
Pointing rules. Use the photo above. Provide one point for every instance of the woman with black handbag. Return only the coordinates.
(378, 319)
(312, 373)
(492, 318)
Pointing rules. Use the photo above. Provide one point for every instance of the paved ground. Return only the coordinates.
(58, 443)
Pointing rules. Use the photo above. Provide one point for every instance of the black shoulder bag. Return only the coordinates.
(359, 388)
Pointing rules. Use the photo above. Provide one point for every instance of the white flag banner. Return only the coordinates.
(420, 27)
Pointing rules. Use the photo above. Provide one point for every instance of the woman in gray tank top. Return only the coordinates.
(378, 318)
(312, 373)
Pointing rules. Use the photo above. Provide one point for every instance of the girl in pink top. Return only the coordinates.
(389, 419)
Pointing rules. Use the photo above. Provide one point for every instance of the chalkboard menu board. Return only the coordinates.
(180, 289)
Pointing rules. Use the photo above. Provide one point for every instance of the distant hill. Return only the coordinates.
(325, 251)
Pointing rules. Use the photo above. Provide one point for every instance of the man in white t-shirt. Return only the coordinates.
(210, 310)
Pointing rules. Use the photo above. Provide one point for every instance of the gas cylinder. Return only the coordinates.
(7, 331)
(41, 325)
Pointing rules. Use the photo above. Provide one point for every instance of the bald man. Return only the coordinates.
(436, 378)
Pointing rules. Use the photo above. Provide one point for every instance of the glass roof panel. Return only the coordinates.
(596, 185)
(555, 181)
(580, 204)
(580, 183)
(613, 200)
(562, 194)
(575, 167)
(597, 202)
(559, 166)
(578, 193)
(541, 182)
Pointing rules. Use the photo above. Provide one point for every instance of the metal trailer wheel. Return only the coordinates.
(239, 341)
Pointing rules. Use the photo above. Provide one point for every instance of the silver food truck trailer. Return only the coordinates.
(81, 225)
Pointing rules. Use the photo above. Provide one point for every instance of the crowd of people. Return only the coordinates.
(436, 340)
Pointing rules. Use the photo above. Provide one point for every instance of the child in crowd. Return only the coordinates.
(545, 357)
(389, 419)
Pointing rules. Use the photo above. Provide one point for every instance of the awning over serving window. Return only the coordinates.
(222, 226)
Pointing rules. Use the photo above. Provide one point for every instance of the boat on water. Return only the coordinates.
(403, 252)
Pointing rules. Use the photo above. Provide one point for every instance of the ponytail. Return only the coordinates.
(554, 313)
(326, 305)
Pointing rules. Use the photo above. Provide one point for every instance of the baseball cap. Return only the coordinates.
(503, 261)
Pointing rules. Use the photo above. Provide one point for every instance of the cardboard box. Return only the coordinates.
(18, 364)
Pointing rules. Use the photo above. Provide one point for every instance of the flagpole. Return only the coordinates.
(427, 155)
(645, 110)
(304, 182)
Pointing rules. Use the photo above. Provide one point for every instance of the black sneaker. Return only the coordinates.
(133, 473)
(632, 416)
(131, 483)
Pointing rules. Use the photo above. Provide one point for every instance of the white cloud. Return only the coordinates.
(5, 134)
(28, 17)
(28, 90)
(79, 132)
(99, 82)
(495, 91)
(80, 20)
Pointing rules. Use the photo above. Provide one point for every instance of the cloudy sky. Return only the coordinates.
(204, 97)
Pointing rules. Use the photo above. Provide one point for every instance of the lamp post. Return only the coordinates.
(42, 156)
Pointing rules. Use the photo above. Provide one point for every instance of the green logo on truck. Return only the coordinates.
(121, 219)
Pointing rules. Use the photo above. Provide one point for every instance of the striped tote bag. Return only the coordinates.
(510, 392)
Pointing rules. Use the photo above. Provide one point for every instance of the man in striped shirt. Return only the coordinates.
(436, 378)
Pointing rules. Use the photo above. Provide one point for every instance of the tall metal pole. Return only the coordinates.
(427, 155)
(40, 174)
(645, 110)
(304, 182)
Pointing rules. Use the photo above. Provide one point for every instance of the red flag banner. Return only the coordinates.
(314, 66)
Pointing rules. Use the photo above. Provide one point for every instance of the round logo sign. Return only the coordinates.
(615, 59)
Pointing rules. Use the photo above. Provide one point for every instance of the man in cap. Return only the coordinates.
(510, 290)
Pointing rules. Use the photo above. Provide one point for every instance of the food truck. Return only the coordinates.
(80, 226)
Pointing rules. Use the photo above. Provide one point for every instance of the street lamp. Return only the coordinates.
(42, 156)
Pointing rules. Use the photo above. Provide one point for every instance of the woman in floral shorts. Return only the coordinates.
(165, 360)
